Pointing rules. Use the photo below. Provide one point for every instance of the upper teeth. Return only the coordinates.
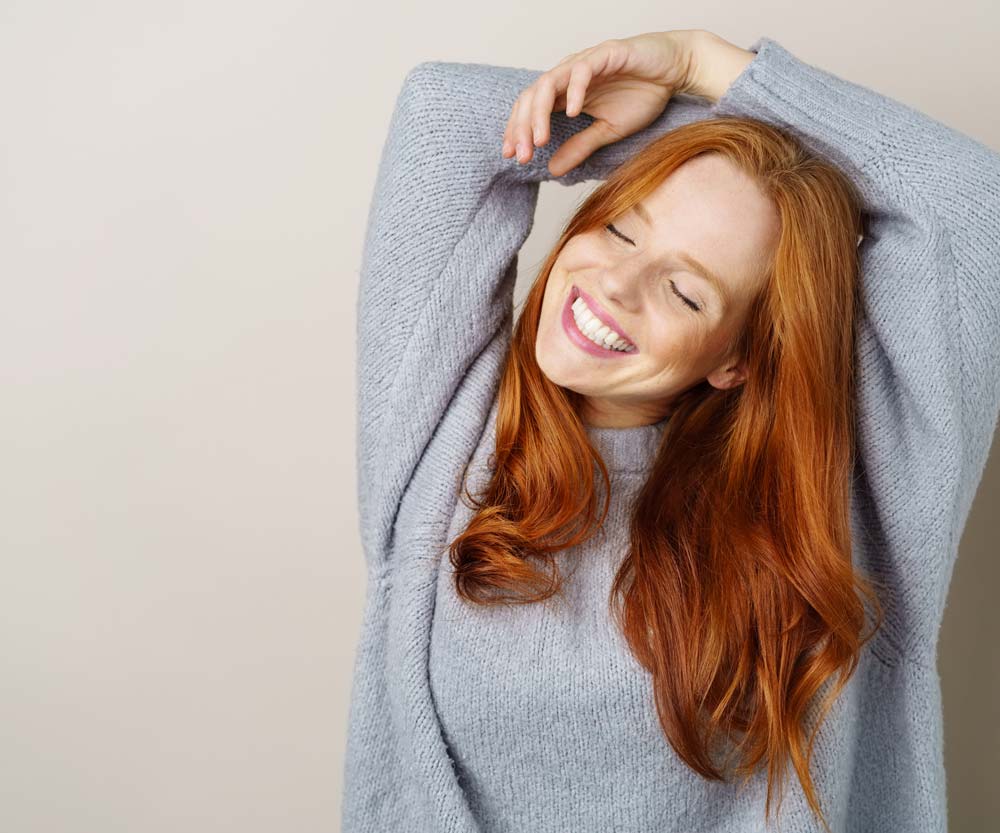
(598, 332)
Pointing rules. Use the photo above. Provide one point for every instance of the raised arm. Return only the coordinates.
(447, 218)
(929, 341)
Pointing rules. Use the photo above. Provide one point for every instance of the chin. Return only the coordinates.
(561, 371)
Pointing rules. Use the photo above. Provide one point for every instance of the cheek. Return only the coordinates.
(553, 299)
(718, 341)
(682, 343)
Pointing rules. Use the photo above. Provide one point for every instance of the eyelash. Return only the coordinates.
(687, 301)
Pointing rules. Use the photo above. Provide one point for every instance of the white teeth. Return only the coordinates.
(598, 332)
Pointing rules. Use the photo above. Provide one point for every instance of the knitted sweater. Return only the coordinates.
(537, 718)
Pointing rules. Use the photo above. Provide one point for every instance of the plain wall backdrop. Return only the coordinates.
(182, 206)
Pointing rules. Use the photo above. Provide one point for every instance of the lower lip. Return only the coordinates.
(580, 340)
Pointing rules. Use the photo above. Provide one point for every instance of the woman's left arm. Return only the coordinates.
(929, 334)
(912, 169)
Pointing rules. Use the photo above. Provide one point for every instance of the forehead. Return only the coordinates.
(710, 209)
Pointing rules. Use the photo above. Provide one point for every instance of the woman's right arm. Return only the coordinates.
(447, 218)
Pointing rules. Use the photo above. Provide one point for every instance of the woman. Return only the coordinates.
(619, 553)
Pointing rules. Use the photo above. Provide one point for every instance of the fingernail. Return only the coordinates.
(521, 152)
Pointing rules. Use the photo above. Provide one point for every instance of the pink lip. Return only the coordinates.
(569, 325)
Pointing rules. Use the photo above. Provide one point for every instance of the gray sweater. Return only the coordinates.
(536, 717)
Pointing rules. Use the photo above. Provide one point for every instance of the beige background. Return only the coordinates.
(183, 198)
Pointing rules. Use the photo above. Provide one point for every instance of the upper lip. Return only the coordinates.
(601, 313)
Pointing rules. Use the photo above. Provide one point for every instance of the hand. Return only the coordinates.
(624, 84)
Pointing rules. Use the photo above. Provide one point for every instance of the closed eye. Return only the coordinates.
(673, 286)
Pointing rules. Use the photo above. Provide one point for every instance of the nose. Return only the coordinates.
(621, 285)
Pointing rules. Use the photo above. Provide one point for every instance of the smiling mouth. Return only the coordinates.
(596, 325)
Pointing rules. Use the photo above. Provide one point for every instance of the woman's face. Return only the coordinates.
(632, 276)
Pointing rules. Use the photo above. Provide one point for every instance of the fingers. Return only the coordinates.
(508, 133)
(541, 109)
(517, 136)
(562, 87)
(576, 89)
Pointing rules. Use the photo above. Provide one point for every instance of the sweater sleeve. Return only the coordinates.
(447, 218)
(929, 339)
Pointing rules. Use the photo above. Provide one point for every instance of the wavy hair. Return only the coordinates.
(737, 592)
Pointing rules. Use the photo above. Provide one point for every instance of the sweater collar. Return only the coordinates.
(628, 449)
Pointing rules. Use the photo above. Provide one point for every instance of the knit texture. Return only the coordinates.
(537, 718)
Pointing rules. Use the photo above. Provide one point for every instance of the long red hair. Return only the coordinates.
(737, 592)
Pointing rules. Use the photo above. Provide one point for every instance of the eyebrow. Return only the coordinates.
(691, 261)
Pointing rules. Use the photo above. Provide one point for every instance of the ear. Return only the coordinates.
(728, 375)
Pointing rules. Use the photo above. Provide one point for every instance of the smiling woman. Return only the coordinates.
(629, 590)
(700, 207)
(755, 396)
